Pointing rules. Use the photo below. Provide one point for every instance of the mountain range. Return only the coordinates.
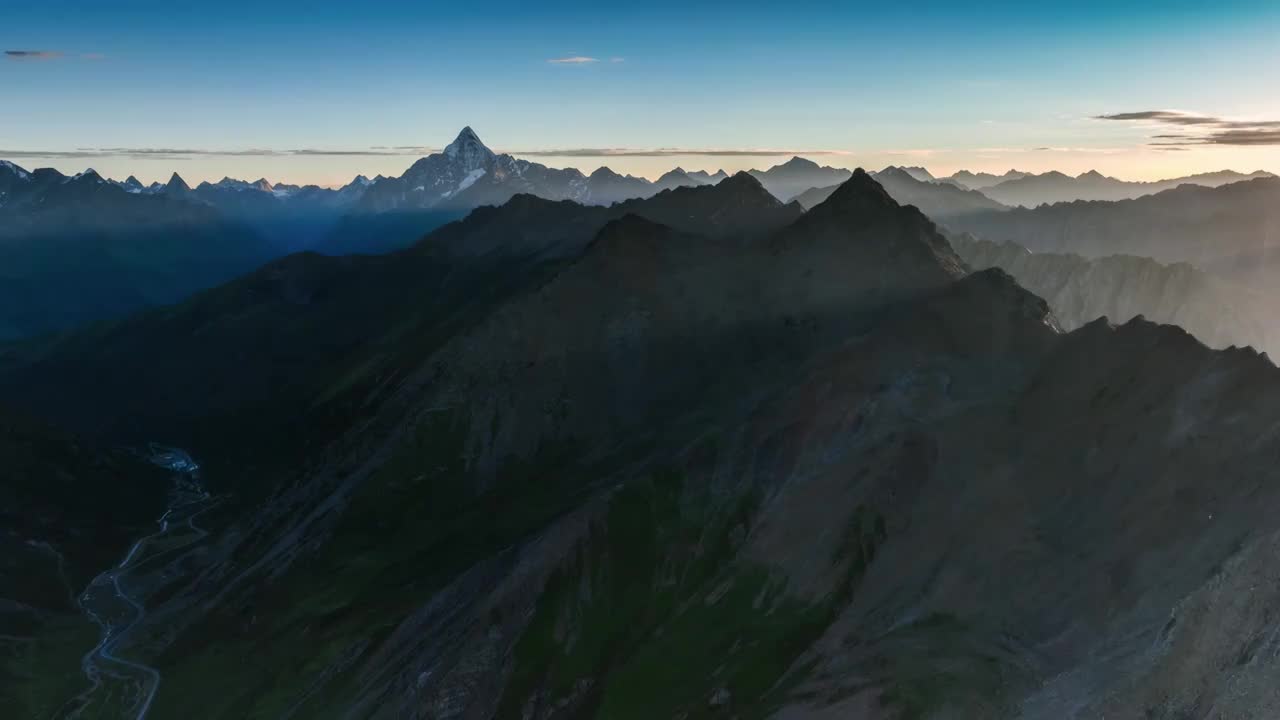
(936, 199)
(1081, 290)
(696, 455)
(78, 249)
(125, 246)
(1232, 231)
(1055, 187)
(981, 180)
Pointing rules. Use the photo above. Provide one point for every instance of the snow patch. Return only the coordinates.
(470, 179)
(22, 174)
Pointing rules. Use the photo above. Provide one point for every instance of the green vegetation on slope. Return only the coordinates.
(656, 614)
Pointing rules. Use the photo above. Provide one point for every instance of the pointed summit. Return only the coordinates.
(895, 172)
(133, 183)
(468, 147)
(798, 163)
(859, 195)
(737, 206)
(177, 185)
(918, 173)
(358, 184)
(14, 169)
(674, 179)
(743, 181)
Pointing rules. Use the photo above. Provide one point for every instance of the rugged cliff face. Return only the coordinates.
(1120, 287)
(820, 471)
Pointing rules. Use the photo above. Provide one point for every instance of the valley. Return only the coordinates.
(119, 686)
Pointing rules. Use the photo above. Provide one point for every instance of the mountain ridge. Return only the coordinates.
(645, 472)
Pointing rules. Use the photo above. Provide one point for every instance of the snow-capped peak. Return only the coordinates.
(469, 150)
(22, 174)
(89, 174)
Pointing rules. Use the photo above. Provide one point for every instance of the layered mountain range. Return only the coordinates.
(131, 246)
(938, 200)
(1232, 231)
(1055, 187)
(702, 454)
(982, 180)
(1081, 290)
(77, 249)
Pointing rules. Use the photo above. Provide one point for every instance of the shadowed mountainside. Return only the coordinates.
(821, 470)
(68, 510)
(78, 249)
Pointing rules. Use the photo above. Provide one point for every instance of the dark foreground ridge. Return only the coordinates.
(698, 455)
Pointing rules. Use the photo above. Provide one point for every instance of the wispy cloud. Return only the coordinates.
(1196, 129)
(576, 60)
(671, 152)
(141, 153)
(32, 54)
(164, 153)
(37, 55)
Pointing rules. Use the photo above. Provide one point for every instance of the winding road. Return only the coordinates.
(119, 685)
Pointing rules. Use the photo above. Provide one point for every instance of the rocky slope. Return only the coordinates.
(821, 470)
(1121, 287)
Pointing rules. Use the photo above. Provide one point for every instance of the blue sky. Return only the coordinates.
(947, 85)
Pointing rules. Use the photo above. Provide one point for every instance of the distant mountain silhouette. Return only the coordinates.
(1232, 230)
(77, 249)
(1054, 187)
(394, 212)
(938, 200)
(1080, 290)
(981, 180)
(797, 175)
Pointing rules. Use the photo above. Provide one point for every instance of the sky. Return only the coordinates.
(317, 92)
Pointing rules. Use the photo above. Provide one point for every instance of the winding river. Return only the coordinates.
(115, 599)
